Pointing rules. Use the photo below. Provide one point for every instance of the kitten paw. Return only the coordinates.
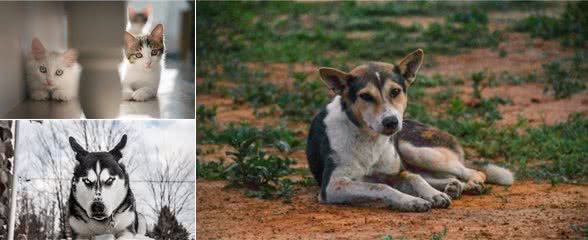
(61, 96)
(127, 95)
(40, 95)
(142, 95)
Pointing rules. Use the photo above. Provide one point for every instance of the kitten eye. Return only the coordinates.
(138, 55)
(154, 52)
(109, 181)
(366, 97)
(43, 69)
(394, 92)
(86, 181)
(59, 72)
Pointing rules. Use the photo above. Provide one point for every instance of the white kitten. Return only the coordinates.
(52, 75)
(138, 20)
(143, 63)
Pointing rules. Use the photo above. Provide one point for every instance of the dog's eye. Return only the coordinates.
(154, 52)
(138, 55)
(42, 69)
(366, 97)
(86, 181)
(394, 92)
(59, 72)
(109, 181)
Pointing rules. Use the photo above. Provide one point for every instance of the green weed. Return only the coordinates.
(570, 27)
(281, 137)
(563, 82)
(260, 173)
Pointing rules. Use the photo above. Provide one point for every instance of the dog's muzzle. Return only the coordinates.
(98, 209)
(390, 125)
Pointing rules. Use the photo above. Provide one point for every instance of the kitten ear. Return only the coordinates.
(157, 33)
(70, 57)
(38, 50)
(130, 40)
(131, 12)
(147, 10)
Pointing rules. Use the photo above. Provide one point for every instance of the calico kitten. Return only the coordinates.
(144, 62)
(138, 20)
(52, 75)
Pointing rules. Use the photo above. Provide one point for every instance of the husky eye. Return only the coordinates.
(154, 52)
(394, 92)
(366, 97)
(109, 181)
(86, 181)
(138, 55)
(59, 72)
(42, 69)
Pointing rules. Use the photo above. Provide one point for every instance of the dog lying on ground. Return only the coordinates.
(360, 148)
(101, 201)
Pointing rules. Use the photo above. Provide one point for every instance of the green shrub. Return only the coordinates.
(561, 81)
(261, 174)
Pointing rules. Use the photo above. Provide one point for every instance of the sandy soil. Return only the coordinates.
(526, 210)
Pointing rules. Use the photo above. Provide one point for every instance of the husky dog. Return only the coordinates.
(356, 144)
(101, 200)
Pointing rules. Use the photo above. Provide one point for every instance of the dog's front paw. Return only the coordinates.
(61, 96)
(454, 189)
(416, 205)
(440, 200)
(40, 95)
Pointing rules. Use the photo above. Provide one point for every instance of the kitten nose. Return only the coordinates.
(49, 82)
(390, 122)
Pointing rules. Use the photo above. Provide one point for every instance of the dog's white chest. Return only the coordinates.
(351, 147)
(92, 228)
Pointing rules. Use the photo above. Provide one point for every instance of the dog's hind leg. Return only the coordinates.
(441, 160)
(345, 190)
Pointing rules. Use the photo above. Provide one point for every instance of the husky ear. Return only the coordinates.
(37, 49)
(79, 150)
(411, 64)
(116, 151)
(335, 79)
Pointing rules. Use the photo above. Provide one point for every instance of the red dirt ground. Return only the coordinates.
(525, 211)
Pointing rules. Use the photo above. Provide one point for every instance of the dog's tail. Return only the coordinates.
(497, 175)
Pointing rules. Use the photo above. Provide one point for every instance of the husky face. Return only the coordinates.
(100, 183)
(374, 95)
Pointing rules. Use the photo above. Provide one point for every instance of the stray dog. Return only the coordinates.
(101, 200)
(358, 142)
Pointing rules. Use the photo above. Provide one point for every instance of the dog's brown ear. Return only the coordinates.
(411, 64)
(335, 79)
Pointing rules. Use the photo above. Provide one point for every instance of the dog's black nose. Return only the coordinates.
(390, 122)
(97, 207)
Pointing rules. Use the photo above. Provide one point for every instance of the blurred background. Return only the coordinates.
(507, 78)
